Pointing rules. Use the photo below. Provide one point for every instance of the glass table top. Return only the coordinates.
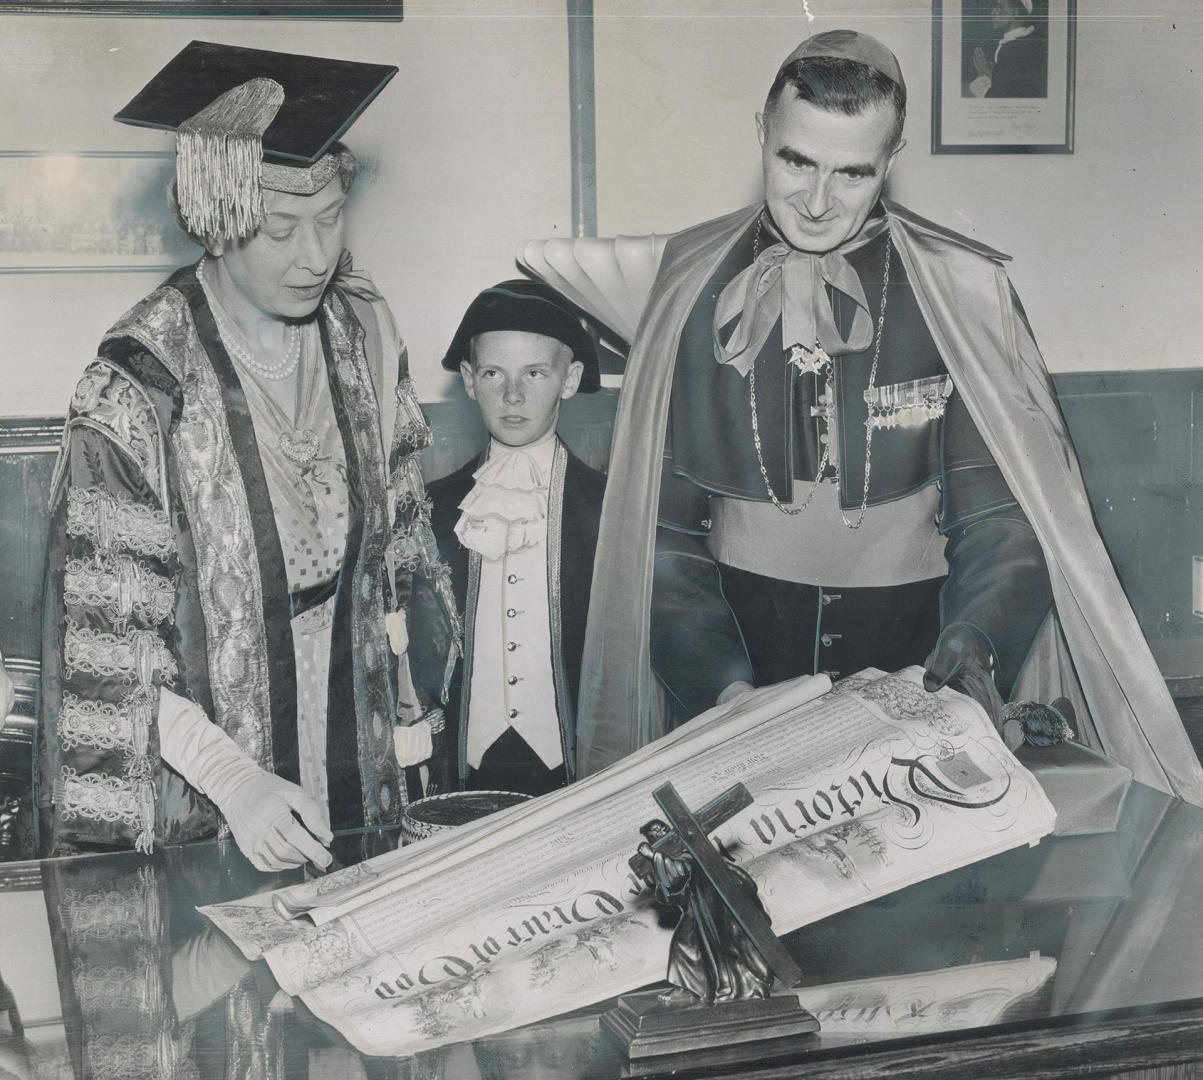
(107, 969)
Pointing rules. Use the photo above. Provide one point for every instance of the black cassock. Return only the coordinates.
(763, 629)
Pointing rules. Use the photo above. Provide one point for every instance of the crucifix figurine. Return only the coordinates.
(723, 957)
(723, 949)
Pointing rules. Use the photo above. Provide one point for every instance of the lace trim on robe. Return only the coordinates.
(113, 524)
(101, 797)
(98, 724)
(120, 588)
(135, 656)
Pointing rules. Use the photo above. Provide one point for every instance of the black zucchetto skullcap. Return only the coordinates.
(850, 45)
(531, 306)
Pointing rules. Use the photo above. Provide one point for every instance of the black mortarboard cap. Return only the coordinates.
(238, 110)
(322, 98)
(531, 306)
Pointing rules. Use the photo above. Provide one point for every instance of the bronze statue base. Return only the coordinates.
(645, 1027)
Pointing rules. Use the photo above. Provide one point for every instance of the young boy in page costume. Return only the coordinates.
(518, 529)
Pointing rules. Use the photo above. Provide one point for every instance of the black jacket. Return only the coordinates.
(574, 511)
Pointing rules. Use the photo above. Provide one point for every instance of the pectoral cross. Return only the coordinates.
(690, 836)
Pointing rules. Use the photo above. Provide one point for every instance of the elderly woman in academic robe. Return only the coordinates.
(237, 502)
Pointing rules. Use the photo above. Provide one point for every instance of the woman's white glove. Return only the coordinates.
(258, 806)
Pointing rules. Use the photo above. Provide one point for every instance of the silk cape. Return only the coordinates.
(1089, 649)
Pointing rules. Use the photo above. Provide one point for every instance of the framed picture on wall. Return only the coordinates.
(92, 211)
(285, 9)
(1003, 76)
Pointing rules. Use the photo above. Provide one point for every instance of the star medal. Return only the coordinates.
(810, 361)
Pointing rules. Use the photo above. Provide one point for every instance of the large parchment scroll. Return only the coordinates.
(859, 790)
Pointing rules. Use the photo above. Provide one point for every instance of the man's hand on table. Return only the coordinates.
(963, 659)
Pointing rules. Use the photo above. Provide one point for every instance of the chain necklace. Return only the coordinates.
(239, 348)
(829, 417)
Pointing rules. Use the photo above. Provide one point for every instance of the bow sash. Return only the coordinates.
(792, 285)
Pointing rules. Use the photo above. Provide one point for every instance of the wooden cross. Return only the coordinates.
(691, 834)
(710, 817)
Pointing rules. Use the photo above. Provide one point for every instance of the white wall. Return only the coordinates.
(1107, 241)
(470, 153)
(468, 146)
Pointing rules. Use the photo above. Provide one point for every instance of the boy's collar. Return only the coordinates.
(541, 451)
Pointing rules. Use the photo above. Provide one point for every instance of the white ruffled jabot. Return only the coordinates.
(506, 510)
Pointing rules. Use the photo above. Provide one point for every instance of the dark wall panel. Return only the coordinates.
(1135, 437)
(27, 456)
(1134, 433)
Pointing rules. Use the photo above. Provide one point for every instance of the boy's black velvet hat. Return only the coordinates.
(532, 306)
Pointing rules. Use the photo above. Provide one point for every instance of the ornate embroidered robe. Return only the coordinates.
(165, 570)
(148, 993)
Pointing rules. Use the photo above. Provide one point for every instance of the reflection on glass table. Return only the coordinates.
(108, 971)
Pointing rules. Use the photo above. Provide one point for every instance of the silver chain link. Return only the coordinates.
(830, 414)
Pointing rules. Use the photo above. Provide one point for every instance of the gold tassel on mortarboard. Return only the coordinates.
(220, 160)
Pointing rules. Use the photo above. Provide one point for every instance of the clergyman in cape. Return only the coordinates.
(838, 446)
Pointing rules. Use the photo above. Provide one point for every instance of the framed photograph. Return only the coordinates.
(1003, 76)
(219, 9)
(88, 212)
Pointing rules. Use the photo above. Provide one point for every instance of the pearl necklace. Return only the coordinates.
(238, 347)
